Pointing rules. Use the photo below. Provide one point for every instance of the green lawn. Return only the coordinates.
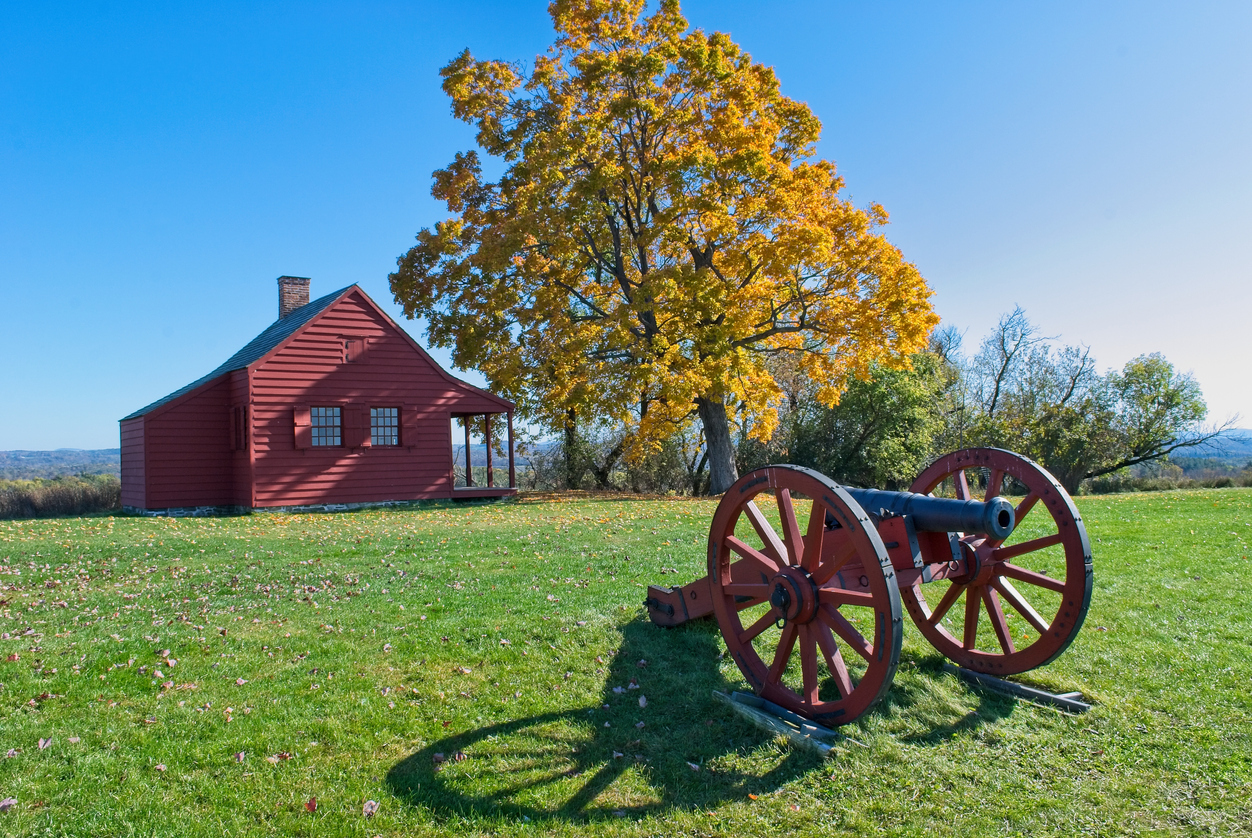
(333, 656)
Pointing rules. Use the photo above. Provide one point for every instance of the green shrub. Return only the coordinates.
(60, 496)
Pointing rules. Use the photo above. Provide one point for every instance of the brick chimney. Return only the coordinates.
(293, 292)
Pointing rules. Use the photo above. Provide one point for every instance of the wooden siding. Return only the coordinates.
(390, 372)
(187, 448)
(241, 397)
(134, 489)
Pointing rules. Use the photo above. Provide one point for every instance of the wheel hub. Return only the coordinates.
(794, 597)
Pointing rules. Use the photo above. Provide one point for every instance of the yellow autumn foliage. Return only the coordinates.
(659, 228)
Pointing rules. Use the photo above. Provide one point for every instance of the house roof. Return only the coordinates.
(256, 349)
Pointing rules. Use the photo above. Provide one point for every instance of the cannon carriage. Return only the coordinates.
(808, 580)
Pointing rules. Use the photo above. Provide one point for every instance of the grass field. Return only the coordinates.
(214, 676)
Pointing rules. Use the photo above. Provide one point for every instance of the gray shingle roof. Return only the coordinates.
(256, 349)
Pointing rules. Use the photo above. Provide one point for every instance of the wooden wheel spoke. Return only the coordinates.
(790, 526)
(1003, 554)
(813, 538)
(808, 664)
(949, 599)
(1023, 508)
(845, 551)
(783, 653)
(749, 634)
(757, 590)
(834, 658)
(1019, 603)
(962, 485)
(998, 624)
(993, 485)
(774, 547)
(1021, 574)
(836, 597)
(847, 632)
(973, 598)
(767, 565)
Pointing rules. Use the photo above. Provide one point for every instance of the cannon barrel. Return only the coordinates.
(995, 517)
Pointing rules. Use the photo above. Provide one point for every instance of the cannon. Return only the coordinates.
(811, 607)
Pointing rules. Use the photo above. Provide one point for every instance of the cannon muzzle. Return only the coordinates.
(995, 517)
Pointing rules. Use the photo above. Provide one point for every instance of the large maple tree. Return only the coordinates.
(658, 228)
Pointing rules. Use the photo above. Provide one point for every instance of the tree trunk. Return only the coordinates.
(573, 458)
(722, 469)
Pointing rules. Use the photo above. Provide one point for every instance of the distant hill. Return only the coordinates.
(63, 462)
(478, 455)
(1234, 446)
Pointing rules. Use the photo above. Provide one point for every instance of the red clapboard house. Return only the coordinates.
(333, 404)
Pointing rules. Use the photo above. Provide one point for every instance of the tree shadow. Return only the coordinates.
(569, 765)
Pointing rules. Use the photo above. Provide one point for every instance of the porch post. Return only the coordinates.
(469, 461)
(512, 471)
(491, 480)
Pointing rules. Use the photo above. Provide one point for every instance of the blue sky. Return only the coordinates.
(161, 164)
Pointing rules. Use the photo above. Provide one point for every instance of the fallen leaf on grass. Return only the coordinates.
(693, 766)
(13, 657)
(619, 690)
(642, 664)
(643, 701)
(633, 685)
(12, 752)
(239, 682)
(617, 755)
(7, 804)
(160, 766)
(43, 743)
(639, 725)
(74, 740)
(239, 757)
(752, 797)
(370, 807)
(311, 804)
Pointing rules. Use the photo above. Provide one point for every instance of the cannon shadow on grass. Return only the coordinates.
(561, 766)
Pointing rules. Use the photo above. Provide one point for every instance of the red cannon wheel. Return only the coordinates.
(1042, 571)
(827, 590)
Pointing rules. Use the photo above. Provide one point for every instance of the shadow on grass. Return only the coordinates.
(912, 697)
(569, 766)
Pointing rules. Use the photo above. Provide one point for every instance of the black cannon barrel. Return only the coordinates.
(996, 517)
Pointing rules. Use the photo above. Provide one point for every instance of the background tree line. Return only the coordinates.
(1019, 390)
